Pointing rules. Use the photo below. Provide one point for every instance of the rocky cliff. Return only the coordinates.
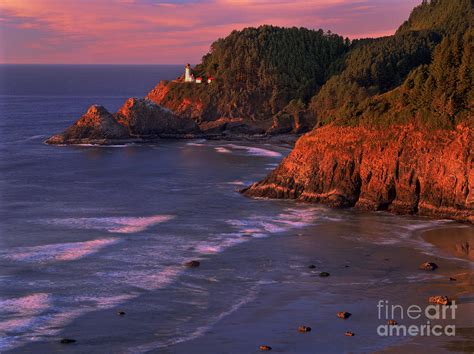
(402, 170)
(136, 120)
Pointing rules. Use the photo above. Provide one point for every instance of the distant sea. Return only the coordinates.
(89, 231)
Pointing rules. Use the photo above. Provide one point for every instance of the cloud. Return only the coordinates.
(169, 31)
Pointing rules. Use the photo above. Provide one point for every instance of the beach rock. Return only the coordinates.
(439, 300)
(304, 329)
(121, 313)
(403, 170)
(349, 334)
(95, 126)
(428, 266)
(392, 322)
(312, 266)
(265, 348)
(324, 274)
(452, 279)
(343, 315)
(192, 264)
(67, 341)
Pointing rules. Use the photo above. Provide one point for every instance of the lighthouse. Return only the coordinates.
(188, 77)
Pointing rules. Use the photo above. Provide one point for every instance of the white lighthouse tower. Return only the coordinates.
(188, 77)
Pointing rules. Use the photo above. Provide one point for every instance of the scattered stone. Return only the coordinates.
(121, 313)
(265, 348)
(349, 334)
(452, 279)
(312, 266)
(346, 266)
(392, 322)
(343, 315)
(192, 264)
(324, 274)
(439, 300)
(67, 341)
(304, 329)
(428, 266)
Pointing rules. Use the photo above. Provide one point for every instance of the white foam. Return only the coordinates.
(57, 252)
(198, 142)
(105, 146)
(151, 279)
(124, 225)
(33, 322)
(23, 313)
(255, 151)
(236, 183)
(223, 150)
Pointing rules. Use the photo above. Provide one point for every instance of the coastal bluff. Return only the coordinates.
(401, 170)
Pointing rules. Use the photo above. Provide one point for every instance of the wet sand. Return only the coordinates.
(456, 241)
(289, 294)
(361, 275)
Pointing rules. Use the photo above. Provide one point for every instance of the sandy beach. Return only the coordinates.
(363, 271)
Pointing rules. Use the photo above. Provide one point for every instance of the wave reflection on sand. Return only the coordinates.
(123, 225)
(70, 251)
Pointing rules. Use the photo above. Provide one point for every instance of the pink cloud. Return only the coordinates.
(173, 31)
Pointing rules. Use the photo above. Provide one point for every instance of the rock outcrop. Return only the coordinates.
(401, 169)
(144, 118)
(184, 99)
(136, 120)
(96, 125)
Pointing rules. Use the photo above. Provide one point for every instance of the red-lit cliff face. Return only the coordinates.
(197, 101)
(184, 103)
(400, 169)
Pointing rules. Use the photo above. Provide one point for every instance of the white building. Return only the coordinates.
(188, 77)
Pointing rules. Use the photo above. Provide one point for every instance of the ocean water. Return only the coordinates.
(87, 231)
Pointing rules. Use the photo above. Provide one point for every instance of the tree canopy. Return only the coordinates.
(421, 74)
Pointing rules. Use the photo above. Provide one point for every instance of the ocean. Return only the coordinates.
(88, 231)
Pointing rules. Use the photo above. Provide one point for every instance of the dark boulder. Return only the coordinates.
(304, 329)
(67, 341)
(428, 266)
(439, 300)
(192, 264)
(343, 315)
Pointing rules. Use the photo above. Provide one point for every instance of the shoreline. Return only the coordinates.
(282, 139)
(287, 294)
(283, 306)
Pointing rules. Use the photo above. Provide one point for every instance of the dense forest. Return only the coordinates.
(421, 75)
(258, 71)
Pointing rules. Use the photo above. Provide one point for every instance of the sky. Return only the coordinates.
(170, 31)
